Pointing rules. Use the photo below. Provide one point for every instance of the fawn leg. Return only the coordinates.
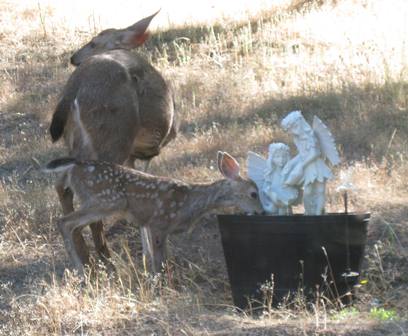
(101, 246)
(74, 222)
(154, 245)
(147, 164)
(66, 198)
(131, 163)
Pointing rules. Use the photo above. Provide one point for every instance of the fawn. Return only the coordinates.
(160, 205)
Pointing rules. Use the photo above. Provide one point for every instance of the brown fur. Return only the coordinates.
(115, 107)
(159, 205)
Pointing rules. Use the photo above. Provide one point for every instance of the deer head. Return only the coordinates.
(110, 39)
(240, 192)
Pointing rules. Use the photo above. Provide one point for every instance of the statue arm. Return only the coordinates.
(311, 156)
(291, 164)
(313, 152)
(294, 169)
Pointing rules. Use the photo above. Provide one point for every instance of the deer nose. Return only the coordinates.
(75, 59)
(72, 60)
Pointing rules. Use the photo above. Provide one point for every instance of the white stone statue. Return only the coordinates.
(308, 168)
(276, 198)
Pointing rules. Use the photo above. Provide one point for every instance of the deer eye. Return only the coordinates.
(254, 195)
(92, 44)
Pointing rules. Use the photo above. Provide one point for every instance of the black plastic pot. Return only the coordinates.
(300, 251)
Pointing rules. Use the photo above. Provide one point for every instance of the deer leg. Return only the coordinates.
(147, 164)
(66, 198)
(129, 162)
(74, 222)
(101, 245)
(154, 247)
(145, 234)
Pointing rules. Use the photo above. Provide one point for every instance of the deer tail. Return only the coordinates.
(59, 165)
(59, 119)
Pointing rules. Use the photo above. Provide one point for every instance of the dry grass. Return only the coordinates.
(343, 60)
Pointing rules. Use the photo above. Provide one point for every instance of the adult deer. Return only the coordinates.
(115, 107)
(159, 205)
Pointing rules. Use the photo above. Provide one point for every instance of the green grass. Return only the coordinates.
(383, 314)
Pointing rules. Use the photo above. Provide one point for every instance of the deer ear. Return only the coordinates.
(219, 159)
(228, 166)
(135, 35)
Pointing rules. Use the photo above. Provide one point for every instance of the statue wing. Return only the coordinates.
(256, 168)
(326, 141)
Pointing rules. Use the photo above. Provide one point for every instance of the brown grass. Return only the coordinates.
(344, 61)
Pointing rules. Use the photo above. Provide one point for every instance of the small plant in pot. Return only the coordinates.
(299, 251)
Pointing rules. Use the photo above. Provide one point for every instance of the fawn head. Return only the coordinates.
(242, 192)
(110, 39)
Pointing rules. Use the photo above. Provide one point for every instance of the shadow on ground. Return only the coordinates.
(359, 133)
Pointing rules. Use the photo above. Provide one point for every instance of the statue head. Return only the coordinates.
(279, 154)
(295, 123)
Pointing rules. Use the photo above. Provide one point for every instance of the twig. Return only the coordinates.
(391, 140)
(37, 163)
(332, 276)
(18, 238)
(27, 171)
(395, 236)
(42, 20)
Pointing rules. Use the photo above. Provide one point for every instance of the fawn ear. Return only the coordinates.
(135, 35)
(228, 166)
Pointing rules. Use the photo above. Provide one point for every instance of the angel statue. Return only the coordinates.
(276, 198)
(308, 168)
